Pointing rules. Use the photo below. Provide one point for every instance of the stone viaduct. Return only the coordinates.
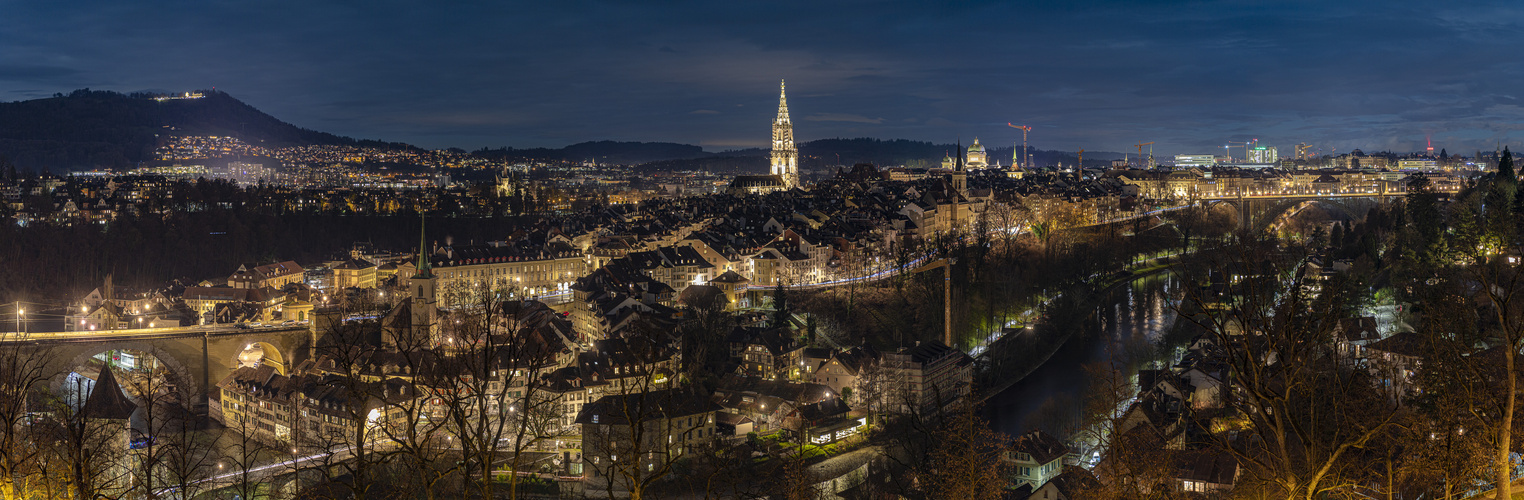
(199, 357)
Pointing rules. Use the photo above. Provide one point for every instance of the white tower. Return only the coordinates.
(785, 162)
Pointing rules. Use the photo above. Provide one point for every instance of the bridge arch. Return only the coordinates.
(197, 358)
(270, 354)
(69, 360)
(1353, 208)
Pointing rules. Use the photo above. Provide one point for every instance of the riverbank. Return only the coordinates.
(1014, 356)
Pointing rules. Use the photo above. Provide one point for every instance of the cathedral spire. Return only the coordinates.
(782, 102)
(785, 158)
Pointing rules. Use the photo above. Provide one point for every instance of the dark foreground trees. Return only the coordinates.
(1300, 413)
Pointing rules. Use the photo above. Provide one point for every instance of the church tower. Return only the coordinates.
(959, 175)
(425, 301)
(785, 163)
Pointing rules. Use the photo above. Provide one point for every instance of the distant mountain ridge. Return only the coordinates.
(624, 153)
(891, 152)
(101, 129)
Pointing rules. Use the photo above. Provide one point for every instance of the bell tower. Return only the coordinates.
(425, 303)
(960, 175)
(785, 161)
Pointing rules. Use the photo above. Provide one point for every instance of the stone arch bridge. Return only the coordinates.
(198, 356)
(1258, 213)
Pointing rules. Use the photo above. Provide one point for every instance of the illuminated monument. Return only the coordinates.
(785, 156)
(783, 175)
(977, 157)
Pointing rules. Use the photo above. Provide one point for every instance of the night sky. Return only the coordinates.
(1376, 75)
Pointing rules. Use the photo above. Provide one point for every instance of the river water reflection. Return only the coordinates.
(1138, 313)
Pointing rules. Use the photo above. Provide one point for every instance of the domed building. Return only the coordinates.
(977, 157)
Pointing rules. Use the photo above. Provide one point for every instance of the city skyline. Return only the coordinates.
(1098, 77)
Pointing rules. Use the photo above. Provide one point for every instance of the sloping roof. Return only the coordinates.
(1075, 481)
(106, 400)
(1042, 446)
(701, 296)
(1358, 329)
(824, 409)
(749, 181)
(1207, 467)
(729, 277)
(1403, 344)
(619, 409)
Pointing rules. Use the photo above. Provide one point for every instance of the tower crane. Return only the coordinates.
(1026, 158)
(1150, 145)
(1235, 144)
(946, 293)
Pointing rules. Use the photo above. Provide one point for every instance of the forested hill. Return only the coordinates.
(622, 153)
(100, 129)
(826, 152)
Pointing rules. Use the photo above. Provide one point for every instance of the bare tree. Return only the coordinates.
(22, 378)
(1467, 385)
(156, 399)
(966, 462)
(1136, 462)
(238, 463)
(419, 430)
(188, 453)
(353, 360)
(498, 400)
(89, 446)
(1305, 414)
(647, 422)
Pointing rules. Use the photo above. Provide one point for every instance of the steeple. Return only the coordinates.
(425, 300)
(423, 250)
(960, 153)
(785, 158)
(959, 177)
(782, 102)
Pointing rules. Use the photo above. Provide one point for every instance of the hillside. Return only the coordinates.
(893, 152)
(622, 153)
(99, 129)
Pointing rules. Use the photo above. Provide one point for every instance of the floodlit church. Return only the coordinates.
(783, 174)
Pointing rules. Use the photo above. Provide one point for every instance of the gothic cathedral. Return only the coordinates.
(785, 162)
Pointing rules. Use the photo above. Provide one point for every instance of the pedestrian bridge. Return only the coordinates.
(198, 356)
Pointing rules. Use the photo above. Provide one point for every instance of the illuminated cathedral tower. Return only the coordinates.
(785, 157)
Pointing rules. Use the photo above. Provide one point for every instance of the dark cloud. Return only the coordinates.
(1093, 75)
(32, 73)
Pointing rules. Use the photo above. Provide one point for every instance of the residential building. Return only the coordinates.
(925, 377)
(276, 275)
(1035, 458)
(653, 429)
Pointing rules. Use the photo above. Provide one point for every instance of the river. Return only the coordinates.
(1133, 315)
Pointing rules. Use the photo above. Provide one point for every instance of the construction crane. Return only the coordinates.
(1150, 145)
(946, 293)
(1025, 158)
(1235, 144)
